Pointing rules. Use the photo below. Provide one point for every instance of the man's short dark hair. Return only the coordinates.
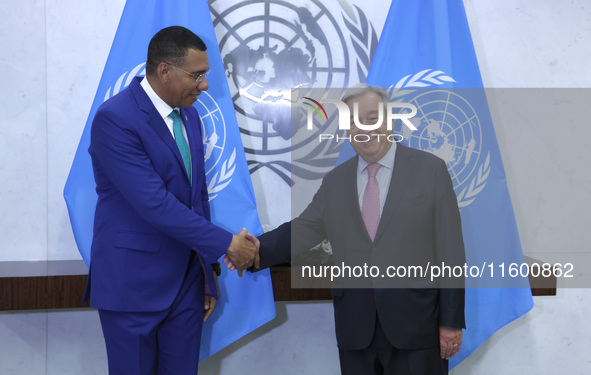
(171, 45)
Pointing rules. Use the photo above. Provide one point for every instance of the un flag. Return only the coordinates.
(425, 56)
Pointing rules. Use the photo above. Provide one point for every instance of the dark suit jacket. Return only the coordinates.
(149, 217)
(420, 222)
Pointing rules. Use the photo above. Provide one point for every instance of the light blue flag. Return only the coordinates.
(245, 303)
(427, 44)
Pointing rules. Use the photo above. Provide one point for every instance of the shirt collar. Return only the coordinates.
(386, 161)
(161, 106)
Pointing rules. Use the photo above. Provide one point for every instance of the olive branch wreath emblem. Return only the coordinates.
(427, 78)
(223, 177)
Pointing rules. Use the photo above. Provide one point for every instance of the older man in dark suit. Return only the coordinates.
(389, 205)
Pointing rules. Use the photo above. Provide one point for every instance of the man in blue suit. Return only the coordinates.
(154, 248)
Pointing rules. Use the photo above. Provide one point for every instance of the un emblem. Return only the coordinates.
(287, 45)
(448, 126)
(220, 161)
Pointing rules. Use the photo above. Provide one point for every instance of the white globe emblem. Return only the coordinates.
(218, 170)
(448, 127)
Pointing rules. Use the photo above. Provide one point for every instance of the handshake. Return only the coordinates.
(243, 252)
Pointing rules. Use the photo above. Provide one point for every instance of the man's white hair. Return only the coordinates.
(362, 89)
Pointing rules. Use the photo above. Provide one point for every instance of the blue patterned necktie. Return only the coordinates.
(181, 142)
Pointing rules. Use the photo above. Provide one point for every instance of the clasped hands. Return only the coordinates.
(243, 252)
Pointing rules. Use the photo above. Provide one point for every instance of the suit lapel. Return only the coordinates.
(155, 120)
(351, 194)
(398, 182)
(193, 128)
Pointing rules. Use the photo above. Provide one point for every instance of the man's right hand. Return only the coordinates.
(242, 251)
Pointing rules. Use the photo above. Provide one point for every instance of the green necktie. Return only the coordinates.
(181, 142)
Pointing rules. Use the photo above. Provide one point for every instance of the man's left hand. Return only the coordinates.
(450, 341)
(209, 307)
(210, 302)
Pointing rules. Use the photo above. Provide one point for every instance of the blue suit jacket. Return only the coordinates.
(149, 217)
